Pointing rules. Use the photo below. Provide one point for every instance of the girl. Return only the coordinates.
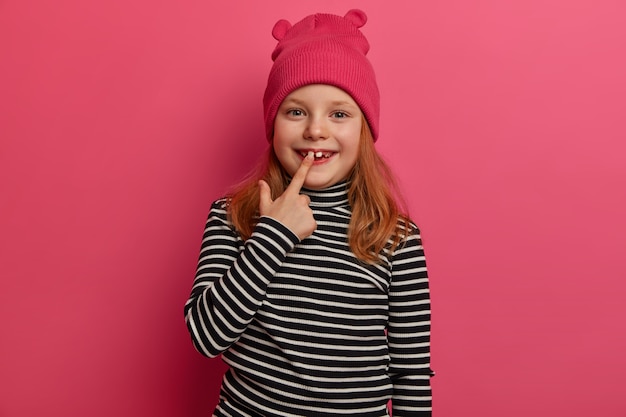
(311, 282)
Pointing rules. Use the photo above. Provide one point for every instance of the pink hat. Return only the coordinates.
(322, 49)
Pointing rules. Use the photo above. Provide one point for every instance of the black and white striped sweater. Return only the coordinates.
(306, 328)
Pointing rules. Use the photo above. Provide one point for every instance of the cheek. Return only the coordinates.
(354, 156)
(284, 155)
(281, 140)
(352, 146)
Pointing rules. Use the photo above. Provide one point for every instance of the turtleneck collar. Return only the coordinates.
(333, 196)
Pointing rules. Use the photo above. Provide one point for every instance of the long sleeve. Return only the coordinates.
(409, 331)
(232, 279)
(305, 327)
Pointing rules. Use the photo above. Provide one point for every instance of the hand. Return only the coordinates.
(291, 208)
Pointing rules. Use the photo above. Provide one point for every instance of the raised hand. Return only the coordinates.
(291, 208)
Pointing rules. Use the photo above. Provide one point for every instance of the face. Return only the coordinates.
(322, 119)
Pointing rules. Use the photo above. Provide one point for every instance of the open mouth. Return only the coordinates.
(318, 155)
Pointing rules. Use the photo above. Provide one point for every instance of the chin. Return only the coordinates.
(319, 185)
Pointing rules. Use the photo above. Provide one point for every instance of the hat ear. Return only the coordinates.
(280, 29)
(357, 17)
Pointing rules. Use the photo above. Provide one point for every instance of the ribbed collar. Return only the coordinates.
(333, 196)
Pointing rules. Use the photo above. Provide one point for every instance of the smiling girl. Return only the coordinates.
(311, 281)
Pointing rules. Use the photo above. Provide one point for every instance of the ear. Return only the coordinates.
(280, 29)
(357, 17)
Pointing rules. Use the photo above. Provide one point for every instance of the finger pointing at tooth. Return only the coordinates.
(291, 208)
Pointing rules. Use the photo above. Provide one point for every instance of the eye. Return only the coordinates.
(340, 115)
(295, 112)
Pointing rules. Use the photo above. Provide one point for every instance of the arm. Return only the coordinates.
(232, 278)
(409, 331)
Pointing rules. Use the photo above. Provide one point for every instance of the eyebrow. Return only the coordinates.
(342, 103)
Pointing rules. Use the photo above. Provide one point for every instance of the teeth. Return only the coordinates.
(318, 154)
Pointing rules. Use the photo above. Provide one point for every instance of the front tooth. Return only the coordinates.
(319, 154)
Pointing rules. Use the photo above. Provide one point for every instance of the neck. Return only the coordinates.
(333, 196)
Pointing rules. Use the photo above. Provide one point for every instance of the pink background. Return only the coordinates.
(120, 122)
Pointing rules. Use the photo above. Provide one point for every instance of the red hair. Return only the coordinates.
(378, 220)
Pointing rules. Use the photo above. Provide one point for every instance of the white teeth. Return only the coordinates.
(318, 154)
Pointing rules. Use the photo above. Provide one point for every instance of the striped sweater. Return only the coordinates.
(306, 328)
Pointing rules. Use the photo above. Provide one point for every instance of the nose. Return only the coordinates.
(316, 129)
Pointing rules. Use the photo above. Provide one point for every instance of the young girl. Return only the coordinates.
(311, 282)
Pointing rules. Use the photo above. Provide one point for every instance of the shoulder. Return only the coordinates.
(219, 210)
(221, 204)
(408, 229)
(410, 251)
(405, 243)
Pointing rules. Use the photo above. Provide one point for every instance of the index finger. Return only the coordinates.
(298, 178)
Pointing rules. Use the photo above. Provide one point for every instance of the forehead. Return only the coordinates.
(320, 94)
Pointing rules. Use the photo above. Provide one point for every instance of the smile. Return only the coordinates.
(318, 154)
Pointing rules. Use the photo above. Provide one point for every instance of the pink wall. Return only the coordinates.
(121, 121)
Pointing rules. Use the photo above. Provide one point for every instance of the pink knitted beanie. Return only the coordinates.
(322, 49)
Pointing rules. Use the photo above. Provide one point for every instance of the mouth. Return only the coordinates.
(318, 155)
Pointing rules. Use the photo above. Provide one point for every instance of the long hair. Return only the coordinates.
(378, 222)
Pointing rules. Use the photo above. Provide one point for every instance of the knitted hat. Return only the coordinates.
(322, 49)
